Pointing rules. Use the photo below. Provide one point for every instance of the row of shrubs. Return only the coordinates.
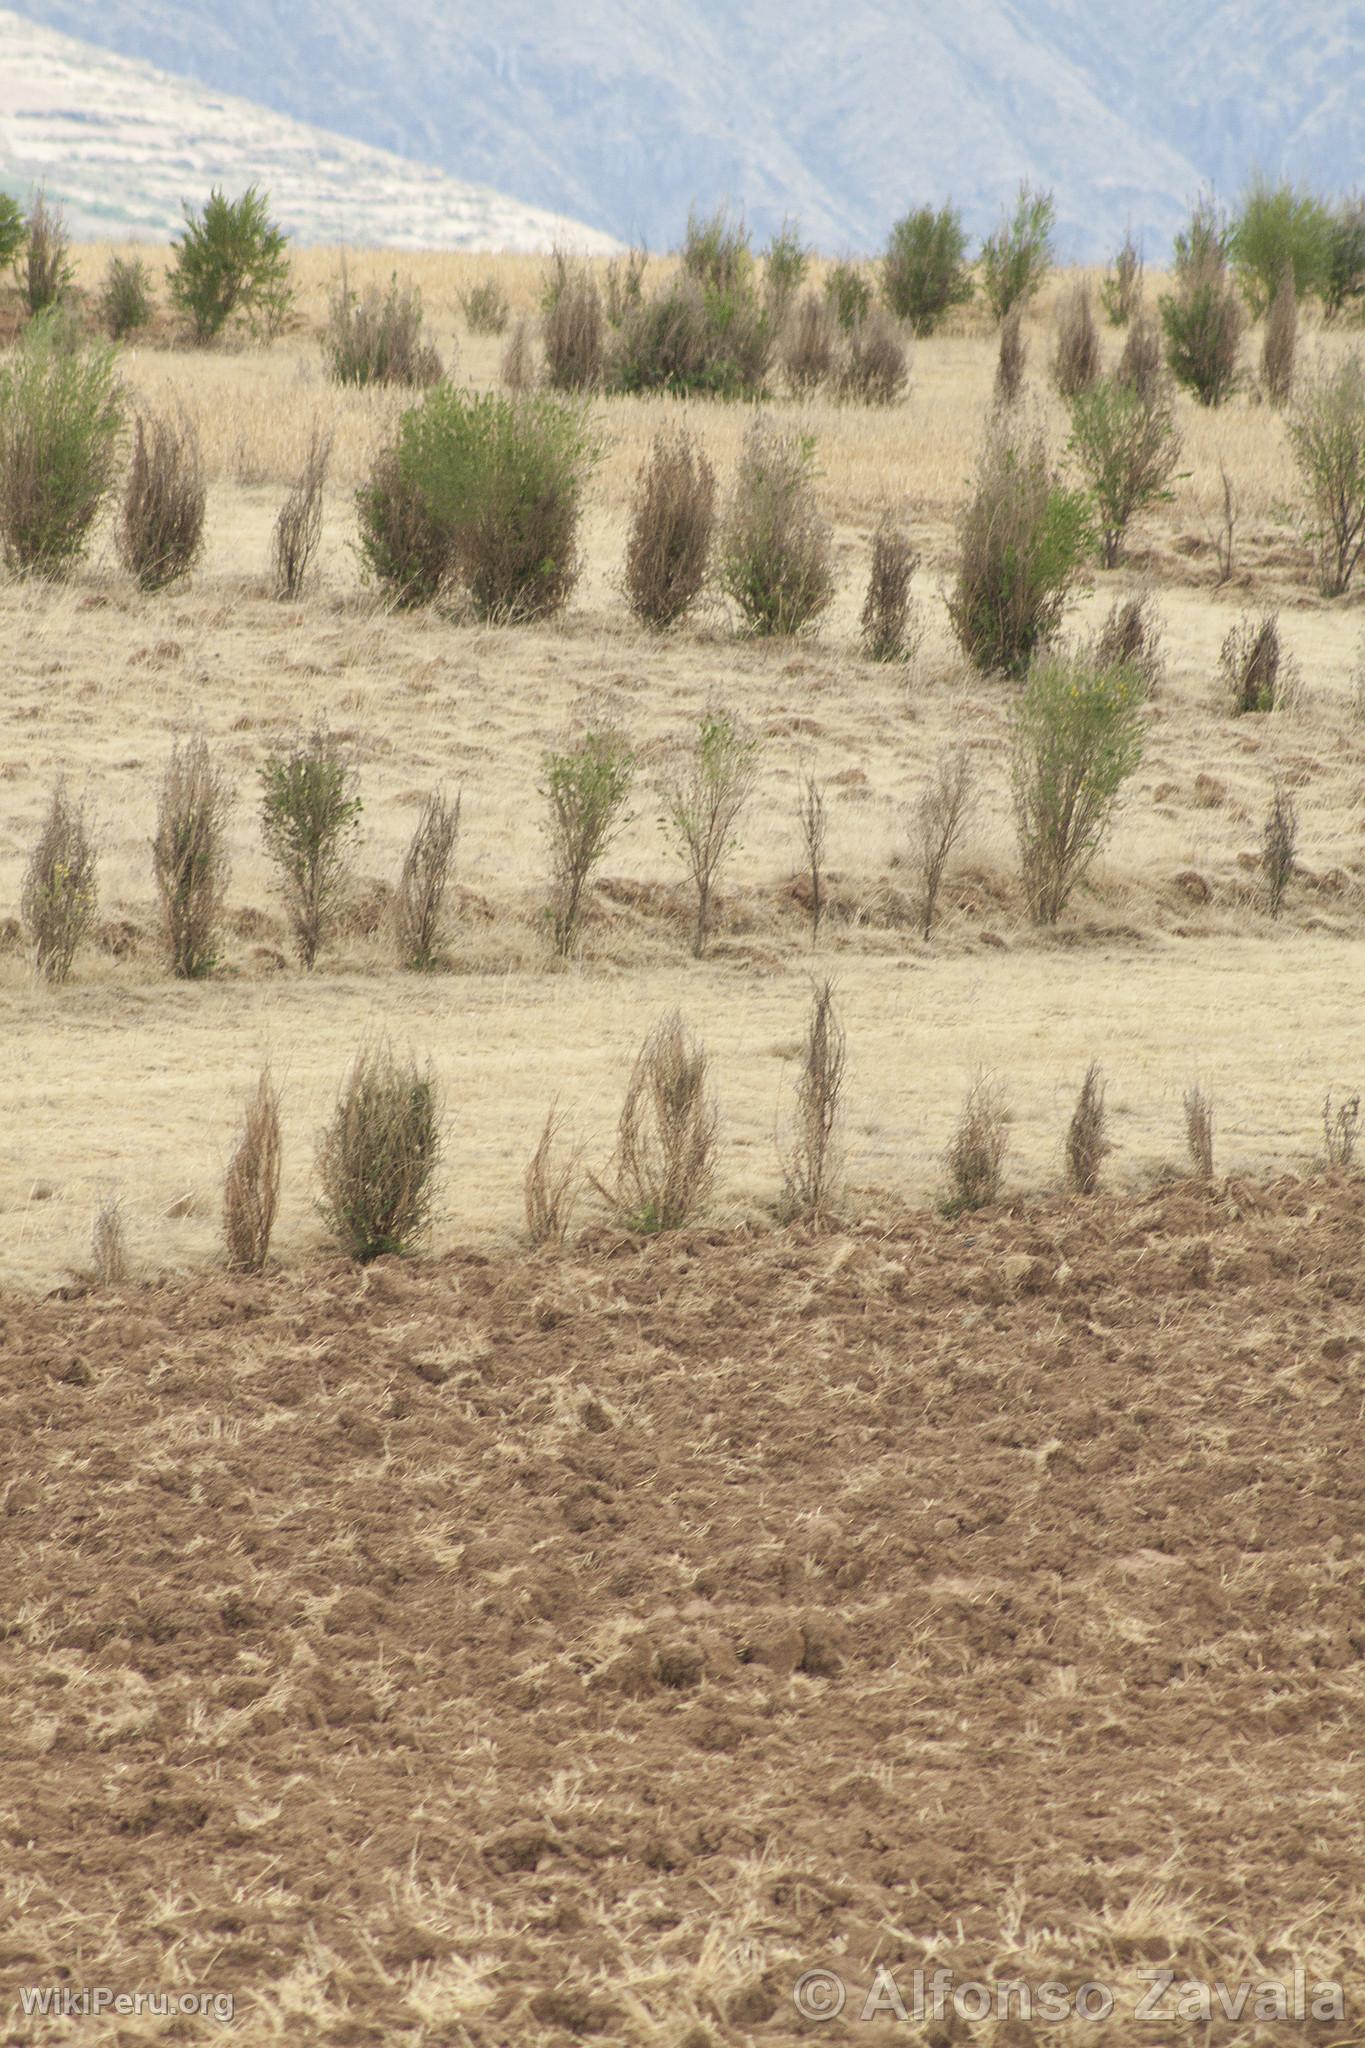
(378, 1155)
(1076, 737)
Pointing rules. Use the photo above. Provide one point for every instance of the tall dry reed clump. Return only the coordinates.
(161, 534)
(419, 906)
(672, 524)
(663, 1170)
(775, 549)
(251, 1186)
(811, 1165)
(190, 859)
(60, 888)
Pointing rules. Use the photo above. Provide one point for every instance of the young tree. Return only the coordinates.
(924, 270)
(230, 259)
(310, 817)
(703, 798)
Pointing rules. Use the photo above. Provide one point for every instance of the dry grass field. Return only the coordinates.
(506, 1649)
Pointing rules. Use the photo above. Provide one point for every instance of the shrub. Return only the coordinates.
(1018, 256)
(1076, 363)
(419, 904)
(891, 629)
(377, 1159)
(1203, 318)
(1203, 239)
(162, 530)
(574, 328)
(1346, 258)
(61, 416)
(251, 1186)
(1279, 228)
(108, 1245)
(717, 252)
(517, 369)
(690, 338)
(1131, 638)
(298, 528)
(672, 523)
(13, 228)
(1139, 367)
(812, 821)
(485, 307)
(190, 858)
(377, 338)
(785, 263)
(703, 794)
(848, 294)
(586, 787)
(876, 368)
(1022, 538)
(1256, 672)
(504, 478)
(1121, 290)
(1126, 449)
(402, 545)
(230, 260)
(310, 819)
(125, 304)
(1340, 1132)
(976, 1154)
(1009, 366)
(60, 890)
(551, 1185)
(44, 272)
(1327, 435)
(924, 270)
(808, 348)
(1086, 1139)
(774, 555)
(1280, 343)
(625, 284)
(1199, 1131)
(664, 1166)
(937, 823)
(810, 1159)
(1279, 842)
(1076, 737)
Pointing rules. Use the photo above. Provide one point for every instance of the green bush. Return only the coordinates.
(1327, 435)
(377, 1159)
(504, 478)
(1346, 258)
(1121, 288)
(1279, 228)
(690, 338)
(61, 416)
(44, 271)
(1126, 448)
(310, 817)
(485, 307)
(924, 270)
(231, 260)
(125, 304)
(586, 787)
(774, 552)
(1022, 539)
(13, 228)
(1076, 736)
(1018, 256)
(717, 252)
(848, 293)
(402, 544)
(786, 260)
(1202, 318)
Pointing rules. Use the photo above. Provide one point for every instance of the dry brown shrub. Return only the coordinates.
(60, 891)
(1280, 342)
(1130, 637)
(942, 812)
(1087, 1141)
(1199, 1131)
(251, 1186)
(1076, 361)
(810, 344)
(551, 1184)
(419, 901)
(1013, 356)
(518, 367)
(298, 529)
(812, 822)
(1340, 1132)
(1279, 843)
(810, 1159)
(876, 365)
(891, 626)
(190, 857)
(664, 1167)
(1139, 366)
(976, 1154)
(108, 1244)
(672, 525)
(1257, 673)
(161, 533)
(574, 328)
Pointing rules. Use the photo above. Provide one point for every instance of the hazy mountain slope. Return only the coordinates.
(121, 145)
(839, 117)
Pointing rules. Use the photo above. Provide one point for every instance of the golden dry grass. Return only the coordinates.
(1166, 969)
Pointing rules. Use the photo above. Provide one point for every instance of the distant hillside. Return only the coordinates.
(621, 116)
(121, 145)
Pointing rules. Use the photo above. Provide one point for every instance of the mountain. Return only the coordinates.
(622, 116)
(121, 145)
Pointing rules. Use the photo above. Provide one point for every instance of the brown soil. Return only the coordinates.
(518, 1651)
